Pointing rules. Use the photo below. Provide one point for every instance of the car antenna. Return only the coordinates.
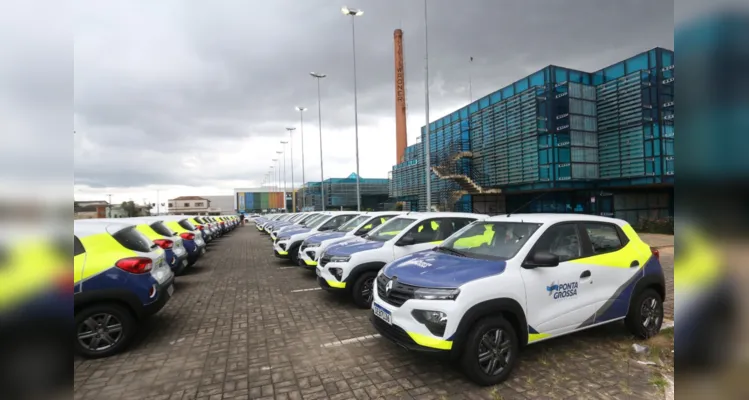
(529, 202)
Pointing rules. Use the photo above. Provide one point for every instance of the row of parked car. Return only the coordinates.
(125, 270)
(476, 288)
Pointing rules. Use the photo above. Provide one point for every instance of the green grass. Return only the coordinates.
(495, 394)
(659, 382)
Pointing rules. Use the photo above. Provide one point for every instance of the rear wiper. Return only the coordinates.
(451, 251)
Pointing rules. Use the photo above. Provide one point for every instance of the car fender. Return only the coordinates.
(121, 296)
(357, 271)
(493, 307)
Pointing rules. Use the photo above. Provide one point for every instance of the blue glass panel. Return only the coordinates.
(537, 79)
(474, 107)
(543, 157)
(563, 155)
(653, 58)
(576, 76)
(440, 123)
(508, 92)
(586, 79)
(563, 172)
(598, 78)
(521, 85)
(667, 58)
(614, 71)
(455, 116)
(495, 97)
(547, 77)
(560, 75)
(637, 63)
(464, 112)
(432, 127)
(483, 103)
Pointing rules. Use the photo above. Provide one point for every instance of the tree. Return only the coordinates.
(399, 206)
(129, 208)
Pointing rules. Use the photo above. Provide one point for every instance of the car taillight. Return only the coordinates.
(200, 227)
(187, 235)
(222, 222)
(164, 243)
(656, 253)
(135, 265)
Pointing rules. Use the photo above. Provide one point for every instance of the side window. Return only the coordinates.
(77, 246)
(337, 221)
(562, 240)
(604, 237)
(427, 231)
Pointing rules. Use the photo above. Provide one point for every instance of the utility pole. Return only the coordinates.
(109, 207)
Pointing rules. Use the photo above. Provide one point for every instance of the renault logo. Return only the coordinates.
(389, 286)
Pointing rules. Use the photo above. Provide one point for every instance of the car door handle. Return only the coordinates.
(585, 274)
(635, 263)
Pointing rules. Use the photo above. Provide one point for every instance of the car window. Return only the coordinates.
(562, 240)
(77, 246)
(353, 223)
(337, 221)
(490, 240)
(185, 224)
(604, 237)
(429, 230)
(389, 229)
(133, 240)
(161, 229)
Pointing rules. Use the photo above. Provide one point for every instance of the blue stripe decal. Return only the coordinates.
(115, 278)
(439, 270)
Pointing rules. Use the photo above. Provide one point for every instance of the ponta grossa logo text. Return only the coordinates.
(562, 290)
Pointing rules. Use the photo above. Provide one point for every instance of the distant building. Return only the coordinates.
(225, 204)
(192, 205)
(340, 193)
(262, 199)
(102, 209)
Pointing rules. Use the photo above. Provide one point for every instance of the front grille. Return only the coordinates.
(324, 260)
(282, 246)
(398, 294)
(392, 332)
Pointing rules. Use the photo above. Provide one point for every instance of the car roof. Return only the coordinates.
(167, 217)
(425, 215)
(88, 227)
(552, 218)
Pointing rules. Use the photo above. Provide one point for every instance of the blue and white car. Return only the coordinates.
(352, 265)
(300, 220)
(311, 248)
(500, 284)
(288, 241)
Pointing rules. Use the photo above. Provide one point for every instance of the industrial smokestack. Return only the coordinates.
(400, 98)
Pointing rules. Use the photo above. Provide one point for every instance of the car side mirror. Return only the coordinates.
(407, 240)
(541, 259)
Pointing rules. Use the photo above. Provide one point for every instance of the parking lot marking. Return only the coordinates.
(288, 267)
(306, 290)
(352, 340)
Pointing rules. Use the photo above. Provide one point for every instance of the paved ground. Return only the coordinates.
(236, 329)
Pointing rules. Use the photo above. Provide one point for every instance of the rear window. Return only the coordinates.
(161, 229)
(77, 246)
(131, 239)
(185, 224)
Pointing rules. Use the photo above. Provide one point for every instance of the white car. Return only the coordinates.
(353, 264)
(508, 281)
(288, 241)
(313, 246)
(300, 221)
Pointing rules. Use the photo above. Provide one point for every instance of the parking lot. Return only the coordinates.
(243, 324)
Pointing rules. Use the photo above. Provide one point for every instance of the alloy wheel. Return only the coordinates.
(494, 351)
(650, 314)
(100, 332)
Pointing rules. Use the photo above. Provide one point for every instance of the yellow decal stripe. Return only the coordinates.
(336, 284)
(428, 341)
(534, 337)
(102, 252)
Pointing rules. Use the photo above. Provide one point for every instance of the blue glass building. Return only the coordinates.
(559, 140)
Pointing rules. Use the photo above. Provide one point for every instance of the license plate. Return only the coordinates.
(382, 313)
(170, 290)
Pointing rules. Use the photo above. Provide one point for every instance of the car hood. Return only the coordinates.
(350, 247)
(291, 232)
(319, 237)
(439, 270)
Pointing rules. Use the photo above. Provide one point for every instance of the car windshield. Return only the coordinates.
(389, 229)
(308, 223)
(489, 240)
(319, 221)
(352, 224)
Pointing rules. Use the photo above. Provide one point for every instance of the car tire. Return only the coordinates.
(647, 304)
(294, 254)
(505, 352)
(97, 314)
(365, 282)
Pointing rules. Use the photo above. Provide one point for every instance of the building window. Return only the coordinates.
(170, 205)
(199, 204)
(186, 205)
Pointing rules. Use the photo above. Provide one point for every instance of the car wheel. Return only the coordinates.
(491, 351)
(645, 315)
(294, 254)
(363, 290)
(103, 330)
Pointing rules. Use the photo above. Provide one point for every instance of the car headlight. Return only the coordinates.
(435, 321)
(340, 259)
(309, 245)
(283, 239)
(337, 272)
(436, 294)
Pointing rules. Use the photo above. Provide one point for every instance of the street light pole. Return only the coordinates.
(293, 191)
(284, 142)
(301, 123)
(355, 13)
(427, 153)
(318, 77)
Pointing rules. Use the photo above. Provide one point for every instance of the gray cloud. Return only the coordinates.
(205, 78)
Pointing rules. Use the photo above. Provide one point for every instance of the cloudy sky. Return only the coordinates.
(192, 98)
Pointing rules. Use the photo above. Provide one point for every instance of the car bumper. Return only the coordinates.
(307, 258)
(181, 263)
(401, 338)
(163, 297)
(327, 281)
(281, 252)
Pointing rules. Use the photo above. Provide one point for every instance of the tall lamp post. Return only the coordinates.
(301, 123)
(293, 191)
(355, 13)
(283, 143)
(318, 77)
(427, 152)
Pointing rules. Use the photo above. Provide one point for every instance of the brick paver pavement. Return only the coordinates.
(235, 330)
